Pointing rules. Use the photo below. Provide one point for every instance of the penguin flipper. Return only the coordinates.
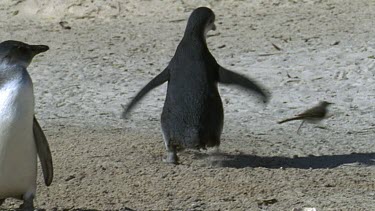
(155, 82)
(229, 77)
(44, 152)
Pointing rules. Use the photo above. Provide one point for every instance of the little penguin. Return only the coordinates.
(21, 137)
(192, 115)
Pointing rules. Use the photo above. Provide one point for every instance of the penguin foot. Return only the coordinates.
(28, 205)
(216, 150)
(171, 158)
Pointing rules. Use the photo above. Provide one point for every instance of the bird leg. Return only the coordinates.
(303, 121)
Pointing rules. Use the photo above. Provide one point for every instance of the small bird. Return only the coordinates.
(21, 137)
(312, 115)
(193, 114)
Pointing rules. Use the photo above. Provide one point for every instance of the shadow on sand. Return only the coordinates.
(70, 209)
(314, 162)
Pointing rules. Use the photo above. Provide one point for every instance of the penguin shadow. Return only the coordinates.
(221, 159)
(86, 209)
(70, 209)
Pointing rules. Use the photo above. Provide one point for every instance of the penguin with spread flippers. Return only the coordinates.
(193, 115)
(21, 137)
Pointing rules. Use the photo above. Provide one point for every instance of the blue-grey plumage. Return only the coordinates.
(21, 137)
(193, 115)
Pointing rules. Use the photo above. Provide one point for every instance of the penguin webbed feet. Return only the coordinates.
(28, 205)
(171, 157)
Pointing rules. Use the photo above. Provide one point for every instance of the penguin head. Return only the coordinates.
(325, 103)
(15, 52)
(200, 22)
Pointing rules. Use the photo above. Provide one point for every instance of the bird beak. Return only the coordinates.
(37, 49)
(213, 27)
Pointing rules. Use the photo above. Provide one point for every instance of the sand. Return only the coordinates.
(103, 52)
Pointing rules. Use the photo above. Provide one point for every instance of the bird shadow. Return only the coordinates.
(310, 162)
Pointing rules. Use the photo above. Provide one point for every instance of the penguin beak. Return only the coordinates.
(37, 49)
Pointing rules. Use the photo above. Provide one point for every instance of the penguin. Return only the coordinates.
(21, 137)
(193, 115)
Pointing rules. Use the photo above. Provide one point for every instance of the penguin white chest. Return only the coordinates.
(18, 156)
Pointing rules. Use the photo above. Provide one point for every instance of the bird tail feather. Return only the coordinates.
(290, 119)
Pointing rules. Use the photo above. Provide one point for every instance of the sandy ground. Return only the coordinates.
(114, 48)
